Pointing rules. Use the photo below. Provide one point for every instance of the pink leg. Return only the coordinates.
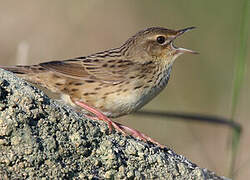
(137, 134)
(121, 128)
(100, 116)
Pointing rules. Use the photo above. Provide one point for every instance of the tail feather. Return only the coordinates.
(24, 69)
(34, 74)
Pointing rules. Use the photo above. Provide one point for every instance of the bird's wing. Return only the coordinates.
(109, 71)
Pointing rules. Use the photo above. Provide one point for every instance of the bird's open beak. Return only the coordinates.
(179, 50)
(181, 31)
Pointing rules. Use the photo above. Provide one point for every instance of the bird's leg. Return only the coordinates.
(121, 128)
(99, 116)
(137, 134)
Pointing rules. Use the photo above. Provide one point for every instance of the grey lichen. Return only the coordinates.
(41, 138)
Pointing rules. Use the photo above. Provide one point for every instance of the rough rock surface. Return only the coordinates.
(40, 138)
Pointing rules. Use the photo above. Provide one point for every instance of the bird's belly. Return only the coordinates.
(119, 105)
(126, 104)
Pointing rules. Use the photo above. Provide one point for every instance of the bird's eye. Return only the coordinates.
(161, 39)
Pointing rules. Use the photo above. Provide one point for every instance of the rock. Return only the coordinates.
(41, 138)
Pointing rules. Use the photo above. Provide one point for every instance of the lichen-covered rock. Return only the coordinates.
(40, 138)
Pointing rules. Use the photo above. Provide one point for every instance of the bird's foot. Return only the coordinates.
(111, 124)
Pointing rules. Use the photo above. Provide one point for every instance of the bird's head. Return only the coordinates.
(156, 44)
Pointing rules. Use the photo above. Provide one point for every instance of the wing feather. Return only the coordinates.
(109, 71)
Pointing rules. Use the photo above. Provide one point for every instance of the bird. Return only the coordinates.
(114, 82)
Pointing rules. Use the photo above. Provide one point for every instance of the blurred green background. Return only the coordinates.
(38, 31)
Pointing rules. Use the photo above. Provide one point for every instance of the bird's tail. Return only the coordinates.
(24, 70)
(29, 73)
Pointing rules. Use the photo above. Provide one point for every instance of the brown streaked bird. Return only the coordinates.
(114, 82)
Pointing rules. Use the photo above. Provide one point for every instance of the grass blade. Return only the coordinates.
(240, 60)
